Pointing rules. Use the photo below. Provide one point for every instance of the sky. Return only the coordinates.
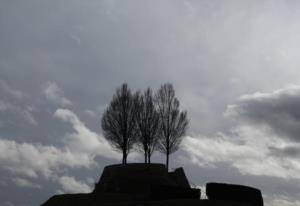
(234, 66)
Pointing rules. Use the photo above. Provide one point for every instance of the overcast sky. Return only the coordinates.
(234, 66)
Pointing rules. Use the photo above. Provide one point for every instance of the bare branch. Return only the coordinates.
(147, 119)
(174, 123)
(118, 121)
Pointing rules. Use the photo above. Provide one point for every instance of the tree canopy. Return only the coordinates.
(173, 122)
(152, 122)
(147, 120)
(118, 121)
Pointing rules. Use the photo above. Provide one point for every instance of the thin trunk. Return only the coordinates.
(145, 157)
(125, 152)
(167, 154)
(167, 164)
(124, 156)
(149, 157)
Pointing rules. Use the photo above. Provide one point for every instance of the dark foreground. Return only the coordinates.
(152, 185)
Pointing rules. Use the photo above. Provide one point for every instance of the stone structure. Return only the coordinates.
(152, 185)
(132, 183)
(236, 193)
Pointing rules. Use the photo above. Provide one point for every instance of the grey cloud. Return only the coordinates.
(90, 113)
(5, 88)
(21, 182)
(7, 203)
(19, 112)
(278, 110)
(56, 95)
(211, 51)
(4, 106)
(29, 117)
(287, 151)
(199, 46)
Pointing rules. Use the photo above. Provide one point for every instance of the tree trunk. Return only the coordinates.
(167, 158)
(124, 156)
(125, 151)
(149, 158)
(145, 157)
(167, 154)
(167, 161)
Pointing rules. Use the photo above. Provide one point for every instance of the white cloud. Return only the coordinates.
(281, 200)
(79, 149)
(21, 182)
(202, 189)
(35, 160)
(56, 95)
(265, 140)
(246, 149)
(83, 140)
(71, 185)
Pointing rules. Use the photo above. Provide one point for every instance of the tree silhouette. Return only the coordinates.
(147, 119)
(173, 122)
(118, 121)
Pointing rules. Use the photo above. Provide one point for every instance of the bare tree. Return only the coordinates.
(147, 119)
(118, 121)
(174, 123)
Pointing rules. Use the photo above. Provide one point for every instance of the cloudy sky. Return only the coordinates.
(234, 66)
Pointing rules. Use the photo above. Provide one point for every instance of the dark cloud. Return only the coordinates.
(287, 151)
(278, 110)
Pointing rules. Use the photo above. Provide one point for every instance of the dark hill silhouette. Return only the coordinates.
(153, 185)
